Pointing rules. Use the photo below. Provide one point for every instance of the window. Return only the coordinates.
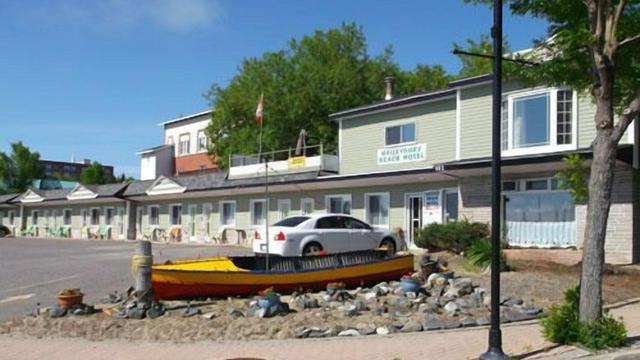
(228, 213)
(184, 145)
(400, 134)
(202, 141)
(564, 114)
(85, 217)
(338, 204)
(46, 218)
(377, 209)
(351, 223)
(306, 206)
(108, 216)
(537, 184)
(176, 214)
(292, 221)
(331, 222)
(66, 217)
(12, 217)
(258, 212)
(95, 216)
(284, 209)
(34, 217)
(509, 186)
(541, 118)
(154, 215)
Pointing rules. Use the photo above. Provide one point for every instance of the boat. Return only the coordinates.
(247, 275)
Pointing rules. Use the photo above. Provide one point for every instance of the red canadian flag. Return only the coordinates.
(259, 109)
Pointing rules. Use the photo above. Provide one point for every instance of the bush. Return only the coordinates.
(563, 326)
(478, 254)
(455, 236)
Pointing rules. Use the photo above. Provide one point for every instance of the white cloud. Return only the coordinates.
(171, 15)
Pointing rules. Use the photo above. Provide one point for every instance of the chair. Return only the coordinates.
(175, 233)
(104, 232)
(31, 230)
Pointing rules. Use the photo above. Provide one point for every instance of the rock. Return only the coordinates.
(234, 313)
(366, 329)
(468, 321)
(514, 315)
(370, 296)
(476, 299)
(209, 315)
(360, 305)
(465, 303)
(304, 301)
(462, 286)
(331, 331)
(436, 279)
(397, 324)
(349, 332)
(411, 295)
(451, 324)
(57, 312)
(432, 324)
(402, 313)
(399, 292)
(191, 311)
(383, 330)
(411, 326)
(396, 300)
(483, 320)
(428, 308)
(382, 289)
(513, 302)
(451, 308)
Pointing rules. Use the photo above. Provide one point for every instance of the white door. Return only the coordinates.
(414, 217)
(432, 212)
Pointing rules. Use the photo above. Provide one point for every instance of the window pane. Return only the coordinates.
(176, 215)
(258, 213)
(292, 221)
(329, 222)
(509, 186)
(531, 121)
(504, 125)
(564, 115)
(228, 213)
(392, 135)
(536, 185)
(451, 203)
(540, 207)
(378, 211)
(408, 132)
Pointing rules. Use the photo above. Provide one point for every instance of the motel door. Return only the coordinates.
(414, 212)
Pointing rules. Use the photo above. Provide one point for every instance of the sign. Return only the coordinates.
(400, 154)
(296, 162)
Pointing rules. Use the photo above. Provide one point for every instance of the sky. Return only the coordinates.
(93, 79)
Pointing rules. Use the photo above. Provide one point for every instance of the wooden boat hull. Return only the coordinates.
(199, 279)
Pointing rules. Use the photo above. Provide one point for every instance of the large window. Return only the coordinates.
(258, 212)
(400, 134)
(95, 216)
(154, 215)
(202, 141)
(184, 145)
(176, 214)
(66, 217)
(540, 118)
(228, 213)
(377, 209)
(338, 204)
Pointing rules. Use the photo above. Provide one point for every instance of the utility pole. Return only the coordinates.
(495, 334)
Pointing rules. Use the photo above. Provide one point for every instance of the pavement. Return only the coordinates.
(34, 270)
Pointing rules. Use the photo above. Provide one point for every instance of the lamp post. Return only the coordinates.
(495, 334)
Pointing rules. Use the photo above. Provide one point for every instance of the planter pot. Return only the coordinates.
(68, 301)
(410, 285)
(267, 302)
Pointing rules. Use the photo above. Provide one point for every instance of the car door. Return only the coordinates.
(332, 234)
(363, 236)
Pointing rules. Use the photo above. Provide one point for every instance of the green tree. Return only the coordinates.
(475, 65)
(94, 174)
(322, 73)
(19, 169)
(592, 46)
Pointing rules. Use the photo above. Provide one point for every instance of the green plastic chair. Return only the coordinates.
(104, 232)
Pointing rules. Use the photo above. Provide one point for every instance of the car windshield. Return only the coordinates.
(292, 221)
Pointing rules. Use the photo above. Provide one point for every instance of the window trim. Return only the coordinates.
(113, 215)
(252, 215)
(64, 212)
(188, 152)
(149, 213)
(221, 213)
(327, 200)
(283, 201)
(366, 208)
(552, 146)
(307, 200)
(401, 143)
(37, 217)
(91, 216)
(521, 185)
(206, 140)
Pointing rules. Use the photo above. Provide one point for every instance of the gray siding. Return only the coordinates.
(363, 136)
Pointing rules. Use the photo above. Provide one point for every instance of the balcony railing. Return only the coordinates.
(310, 158)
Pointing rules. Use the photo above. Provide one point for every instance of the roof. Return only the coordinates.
(412, 99)
(8, 197)
(108, 190)
(185, 118)
(154, 149)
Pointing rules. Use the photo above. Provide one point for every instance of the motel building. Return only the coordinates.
(401, 163)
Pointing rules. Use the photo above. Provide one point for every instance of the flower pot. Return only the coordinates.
(267, 302)
(410, 285)
(68, 301)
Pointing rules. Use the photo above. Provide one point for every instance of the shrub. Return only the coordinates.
(478, 254)
(455, 236)
(563, 326)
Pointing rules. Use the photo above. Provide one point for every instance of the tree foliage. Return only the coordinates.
(94, 174)
(574, 177)
(19, 168)
(322, 73)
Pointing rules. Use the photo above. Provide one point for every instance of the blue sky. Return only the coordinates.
(94, 78)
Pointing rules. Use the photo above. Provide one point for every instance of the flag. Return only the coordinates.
(259, 109)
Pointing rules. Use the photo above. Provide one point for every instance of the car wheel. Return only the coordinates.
(312, 249)
(389, 245)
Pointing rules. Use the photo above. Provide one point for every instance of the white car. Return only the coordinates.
(319, 234)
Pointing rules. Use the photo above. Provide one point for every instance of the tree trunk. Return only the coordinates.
(600, 186)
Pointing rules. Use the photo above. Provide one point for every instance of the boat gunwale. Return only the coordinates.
(264, 272)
